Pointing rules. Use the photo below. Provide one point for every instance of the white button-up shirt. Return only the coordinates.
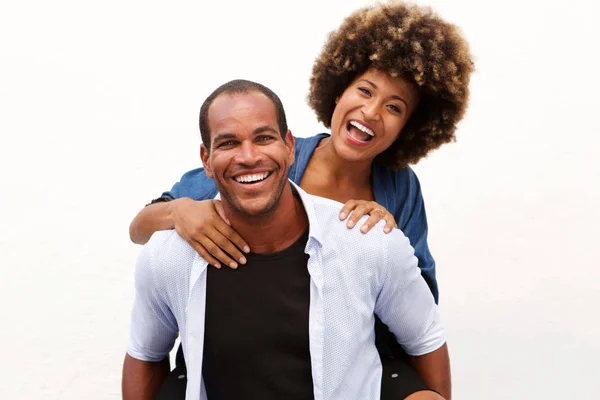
(353, 276)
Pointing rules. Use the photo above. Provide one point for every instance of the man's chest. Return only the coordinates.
(264, 301)
(257, 329)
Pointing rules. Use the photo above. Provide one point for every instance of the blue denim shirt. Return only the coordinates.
(398, 191)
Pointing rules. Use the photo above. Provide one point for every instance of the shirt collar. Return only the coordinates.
(314, 229)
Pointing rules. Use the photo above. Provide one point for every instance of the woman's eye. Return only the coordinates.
(365, 91)
(395, 108)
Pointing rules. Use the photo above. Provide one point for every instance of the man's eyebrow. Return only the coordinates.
(393, 96)
(264, 128)
(228, 136)
(224, 136)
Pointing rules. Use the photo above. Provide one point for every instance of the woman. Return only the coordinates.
(391, 83)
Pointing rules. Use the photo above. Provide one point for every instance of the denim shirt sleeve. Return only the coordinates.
(412, 221)
(195, 185)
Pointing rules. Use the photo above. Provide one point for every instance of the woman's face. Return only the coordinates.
(370, 114)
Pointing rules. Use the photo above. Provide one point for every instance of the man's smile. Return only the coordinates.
(251, 178)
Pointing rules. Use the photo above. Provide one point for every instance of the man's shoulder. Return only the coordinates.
(168, 240)
(327, 215)
(328, 205)
(336, 232)
(168, 252)
(325, 212)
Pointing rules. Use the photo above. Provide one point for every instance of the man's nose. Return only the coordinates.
(248, 154)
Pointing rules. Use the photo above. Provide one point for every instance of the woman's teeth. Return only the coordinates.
(361, 132)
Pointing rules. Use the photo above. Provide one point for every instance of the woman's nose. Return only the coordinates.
(370, 110)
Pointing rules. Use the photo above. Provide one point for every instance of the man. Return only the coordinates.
(296, 322)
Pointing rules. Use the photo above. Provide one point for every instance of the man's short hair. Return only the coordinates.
(235, 87)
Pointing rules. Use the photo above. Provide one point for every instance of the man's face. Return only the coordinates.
(248, 158)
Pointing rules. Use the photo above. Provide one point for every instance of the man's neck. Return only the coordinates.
(273, 232)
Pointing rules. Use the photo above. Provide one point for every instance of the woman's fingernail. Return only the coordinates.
(246, 249)
(363, 229)
(342, 215)
(242, 260)
(233, 265)
(217, 265)
(386, 230)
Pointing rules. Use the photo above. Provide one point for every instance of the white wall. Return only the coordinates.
(98, 115)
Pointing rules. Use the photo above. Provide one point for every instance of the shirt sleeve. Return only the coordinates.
(414, 225)
(405, 303)
(153, 325)
(193, 184)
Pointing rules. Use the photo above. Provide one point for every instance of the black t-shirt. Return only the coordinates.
(256, 343)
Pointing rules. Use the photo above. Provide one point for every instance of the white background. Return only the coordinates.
(98, 115)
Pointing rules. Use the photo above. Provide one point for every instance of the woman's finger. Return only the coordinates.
(205, 254)
(357, 214)
(390, 224)
(347, 208)
(228, 247)
(223, 226)
(373, 219)
(217, 252)
(219, 209)
(228, 232)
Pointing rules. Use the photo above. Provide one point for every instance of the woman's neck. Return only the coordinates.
(338, 172)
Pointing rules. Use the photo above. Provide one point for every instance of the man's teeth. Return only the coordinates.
(362, 128)
(252, 178)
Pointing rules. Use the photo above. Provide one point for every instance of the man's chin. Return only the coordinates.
(255, 207)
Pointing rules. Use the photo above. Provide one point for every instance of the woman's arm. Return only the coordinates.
(159, 214)
(200, 223)
(152, 218)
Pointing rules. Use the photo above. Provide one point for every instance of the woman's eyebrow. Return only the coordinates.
(396, 97)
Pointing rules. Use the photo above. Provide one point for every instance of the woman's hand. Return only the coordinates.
(204, 226)
(358, 208)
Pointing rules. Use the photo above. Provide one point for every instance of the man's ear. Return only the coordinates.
(205, 157)
(289, 142)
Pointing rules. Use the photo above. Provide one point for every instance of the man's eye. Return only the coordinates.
(365, 91)
(264, 138)
(227, 143)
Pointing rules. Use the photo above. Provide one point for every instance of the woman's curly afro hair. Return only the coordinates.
(403, 40)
